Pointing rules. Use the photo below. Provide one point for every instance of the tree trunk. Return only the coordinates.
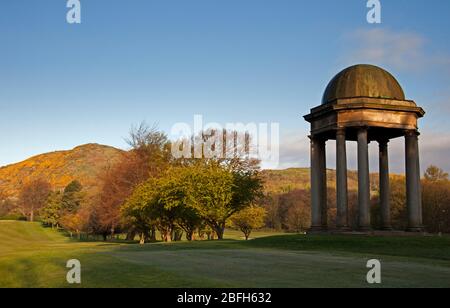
(112, 233)
(31, 215)
(189, 235)
(247, 232)
(220, 230)
(168, 238)
(131, 235)
(247, 235)
(153, 234)
(142, 239)
(150, 235)
(166, 235)
(178, 235)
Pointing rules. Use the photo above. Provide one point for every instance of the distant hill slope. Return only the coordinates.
(86, 162)
(83, 163)
(284, 181)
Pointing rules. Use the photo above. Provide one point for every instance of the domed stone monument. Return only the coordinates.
(363, 103)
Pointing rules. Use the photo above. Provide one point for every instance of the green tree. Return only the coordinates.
(210, 192)
(139, 210)
(249, 219)
(217, 192)
(72, 197)
(51, 212)
(173, 190)
(162, 203)
(189, 220)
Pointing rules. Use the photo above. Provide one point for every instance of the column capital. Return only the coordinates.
(341, 131)
(412, 133)
(383, 141)
(317, 138)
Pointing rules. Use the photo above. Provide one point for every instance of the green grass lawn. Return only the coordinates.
(31, 256)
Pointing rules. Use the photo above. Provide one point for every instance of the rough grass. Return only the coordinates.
(31, 256)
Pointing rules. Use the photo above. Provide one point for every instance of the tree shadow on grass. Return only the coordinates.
(437, 248)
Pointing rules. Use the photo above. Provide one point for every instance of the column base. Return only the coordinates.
(315, 228)
(364, 229)
(318, 230)
(343, 228)
(415, 229)
(387, 228)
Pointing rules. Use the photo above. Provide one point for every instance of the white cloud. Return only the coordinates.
(405, 51)
(294, 151)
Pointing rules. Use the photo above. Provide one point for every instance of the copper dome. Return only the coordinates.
(363, 81)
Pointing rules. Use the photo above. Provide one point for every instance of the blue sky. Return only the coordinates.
(163, 61)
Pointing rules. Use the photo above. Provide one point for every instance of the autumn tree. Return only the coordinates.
(32, 197)
(3, 196)
(298, 218)
(249, 219)
(435, 174)
(7, 205)
(148, 157)
(436, 200)
(75, 222)
(398, 203)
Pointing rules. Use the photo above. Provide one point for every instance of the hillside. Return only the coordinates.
(284, 181)
(83, 163)
(86, 162)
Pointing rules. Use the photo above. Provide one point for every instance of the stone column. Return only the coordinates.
(323, 183)
(316, 196)
(363, 181)
(341, 181)
(384, 186)
(413, 189)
